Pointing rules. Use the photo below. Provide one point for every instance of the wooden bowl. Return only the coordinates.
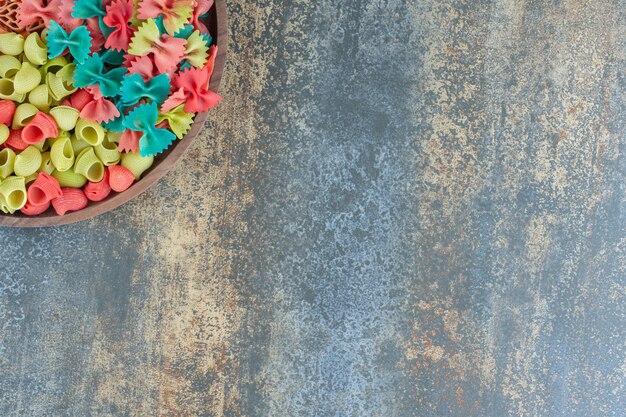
(217, 23)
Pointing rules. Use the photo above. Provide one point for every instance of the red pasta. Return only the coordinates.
(43, 190)
(7, 110)
(31, 209)
(40, 128)
(98, 191)
(120, 178)
(72, 199)
(15, 141)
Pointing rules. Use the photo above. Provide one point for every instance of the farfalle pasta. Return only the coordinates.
(91, 91)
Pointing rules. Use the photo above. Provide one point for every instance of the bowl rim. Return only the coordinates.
(157, 171)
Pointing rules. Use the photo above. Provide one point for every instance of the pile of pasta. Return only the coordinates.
(91, 91)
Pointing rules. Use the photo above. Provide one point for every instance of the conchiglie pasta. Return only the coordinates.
(59, 88)
(78, 145)
(35, 50)
(107, 152)
(88, 165)
(40, 97)
(26, 79)
(65, 116)
(9, 66)
(7, 161)
(46, 163)
(13, 192)
(62, 154)
(70, 179)
(53, 66)
(136, 163)
(27, 162)
(90, 132)
(4, 133)
(7, 91)
(24, 113)
(11, 44)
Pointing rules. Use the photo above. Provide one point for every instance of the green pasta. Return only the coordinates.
(13, 192)
(4, 133)
(78, 145)
(26, 79)
(46, 164)
(24, 113)
(107, 152)
(7, 161)
(35, 50)
(136, 163)
(40, 98)
(62, 154)
(59, 88)
(65, 116)
(89, 131)
(70, 179)
(88, 165)
(53, 66)
(11, 44)
(27, 162)
(7, 91)
(9, 66)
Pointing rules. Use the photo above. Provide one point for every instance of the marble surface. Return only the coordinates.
(401, 208)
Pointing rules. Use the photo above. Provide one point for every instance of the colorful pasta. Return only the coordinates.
(136, 163)
(7, 162)
(71, 199)
(91, 91)
(62, 154)
(13, 192)
(90, 132)
(69, 178)
(27, 162)
(88, 165)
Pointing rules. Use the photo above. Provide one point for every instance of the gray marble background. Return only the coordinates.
(401, 208)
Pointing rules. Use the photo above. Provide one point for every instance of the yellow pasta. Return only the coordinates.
(9, 66)
(40, 98)
(69, 179)
(7, 161)
(42, 146)
(31, 178)
(46, 164)
(13, 191)
(53, 66)
(24, 113)
(62, 154)
(113, 137)
(65, 116)
(35, 50)
(59, 89)
(88, 165)
(4, 133)
(27, 162)
(7, 91)
(136, 163)
(89, 131)
(11, 44)
(26, 79)
(78, 145)
(107, 152)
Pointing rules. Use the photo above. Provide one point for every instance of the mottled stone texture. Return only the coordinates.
(401, 208)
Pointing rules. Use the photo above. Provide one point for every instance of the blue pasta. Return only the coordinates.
(92, 72)
(86, 9)
(134, 88)
(78, 42)
(154, 140)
